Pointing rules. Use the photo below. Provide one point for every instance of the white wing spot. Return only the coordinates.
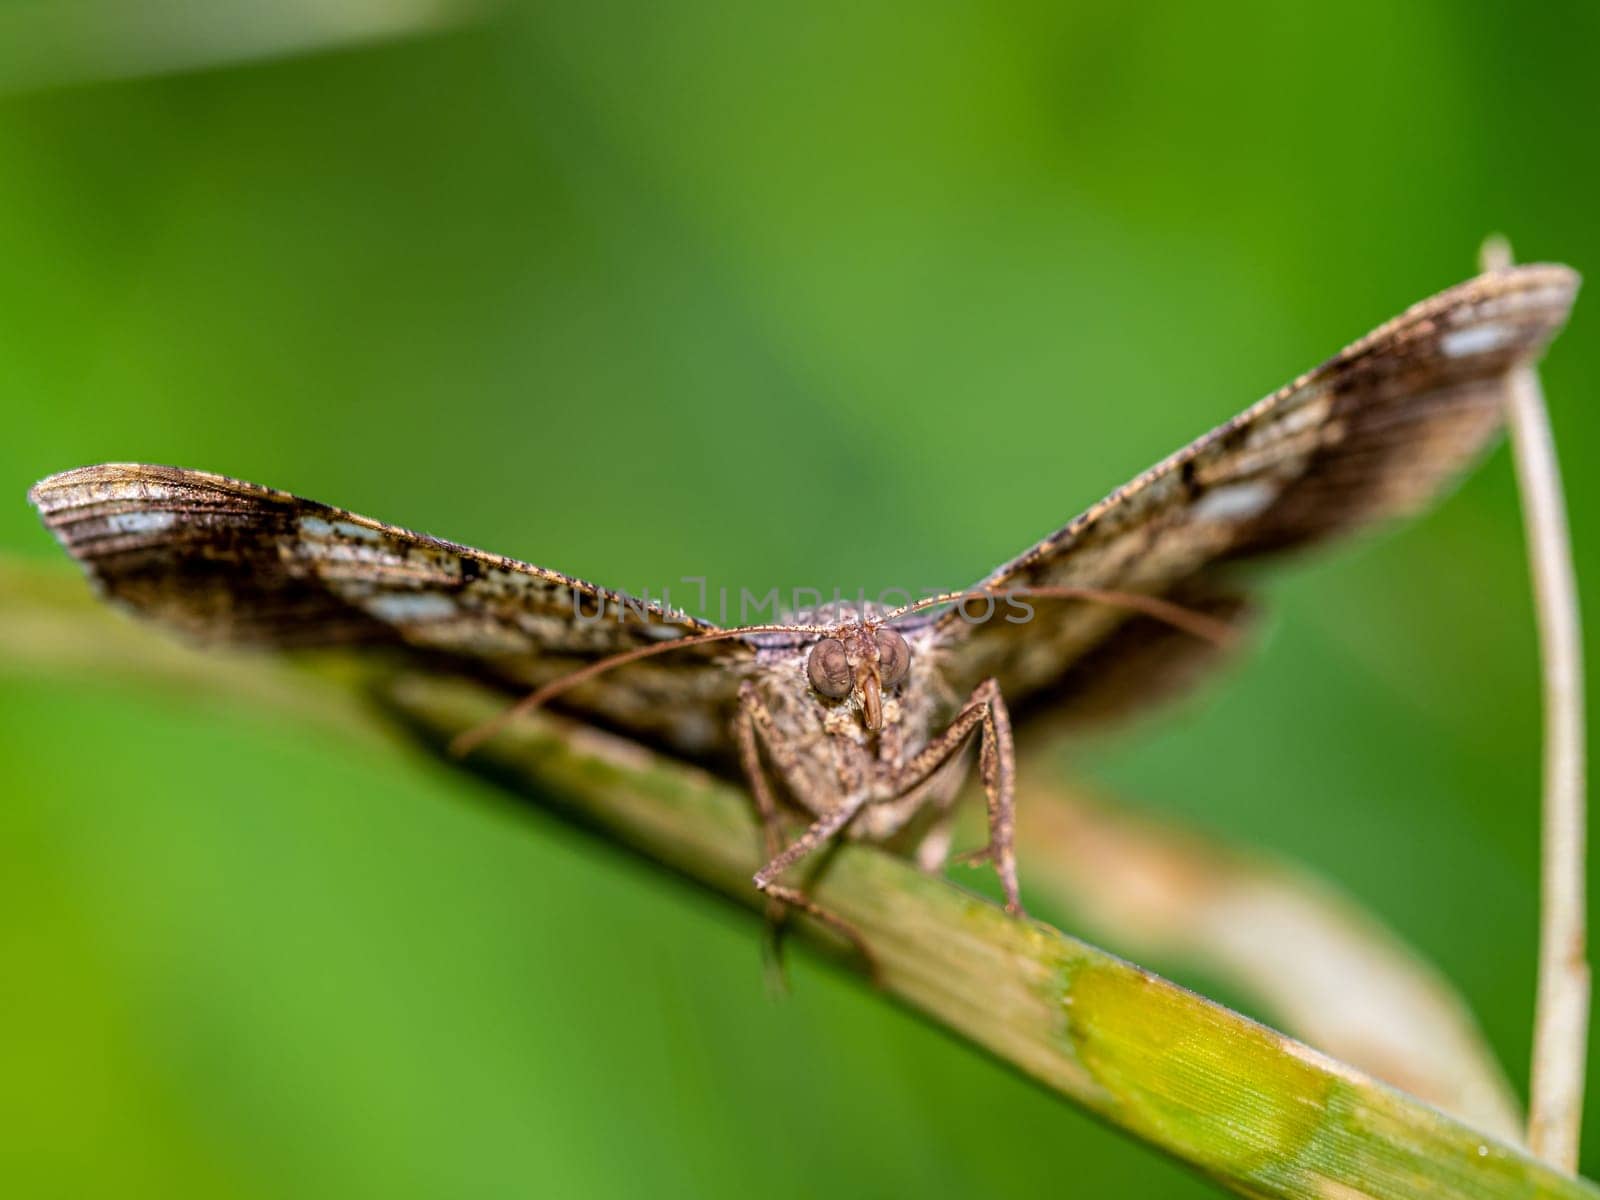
(141, 522)
(1235, 501)
(415, 606)
(351, 529)
(1475, 339)
(661, 631)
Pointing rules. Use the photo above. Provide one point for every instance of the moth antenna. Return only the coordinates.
(467, 741)
(1188, 620)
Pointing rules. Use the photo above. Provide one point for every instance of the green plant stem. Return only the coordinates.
(1561, 1010)
(1257, 1111)
(1322, 967)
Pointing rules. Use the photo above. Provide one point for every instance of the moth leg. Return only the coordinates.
(985, 712)
(753, 728)
(817, 834)
(744, 732)
(783, 895)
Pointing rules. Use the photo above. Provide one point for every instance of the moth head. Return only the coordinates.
(864, 662)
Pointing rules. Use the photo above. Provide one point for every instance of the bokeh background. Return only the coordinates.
(778, 295)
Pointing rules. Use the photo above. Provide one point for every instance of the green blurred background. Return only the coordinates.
(778, 295)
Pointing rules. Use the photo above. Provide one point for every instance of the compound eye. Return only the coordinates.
(829, 669)
(894, 657)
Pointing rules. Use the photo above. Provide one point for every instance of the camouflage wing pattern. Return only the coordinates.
(1372, 434)
(221, 560)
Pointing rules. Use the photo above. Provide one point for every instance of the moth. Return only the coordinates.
(860, 717)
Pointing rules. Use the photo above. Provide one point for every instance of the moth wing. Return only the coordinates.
(1372, 434)
(221, 560)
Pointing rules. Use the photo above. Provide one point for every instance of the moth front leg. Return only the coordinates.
(744, 733)
(985, 712)
(818, 834)
(753, 729)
